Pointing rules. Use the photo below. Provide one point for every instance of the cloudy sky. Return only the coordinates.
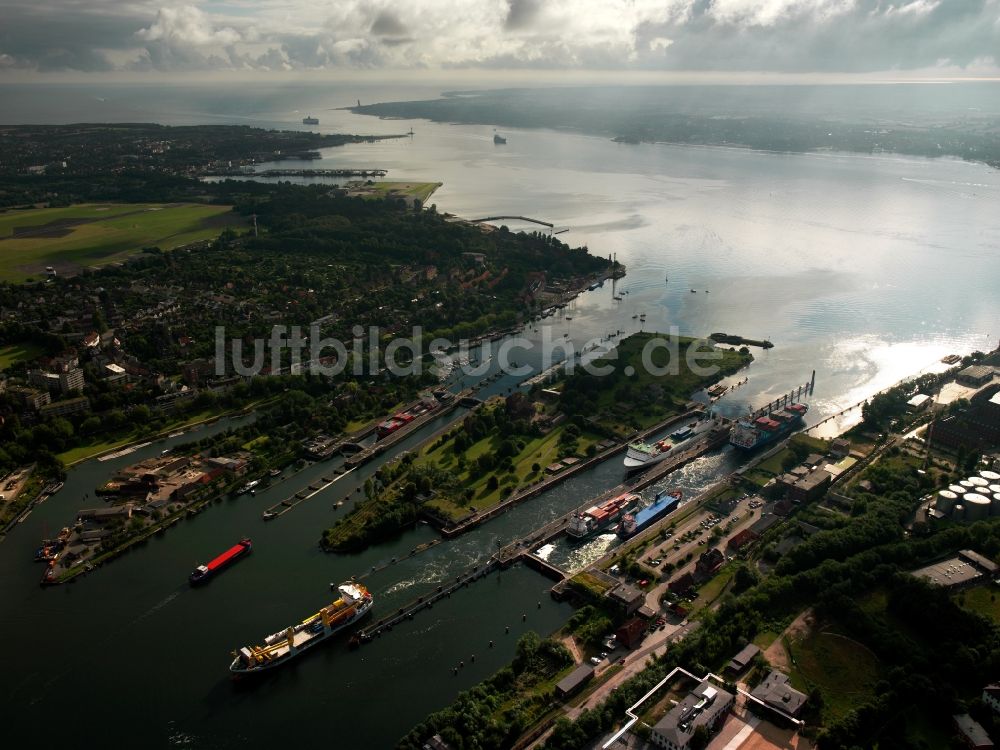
(774, 36)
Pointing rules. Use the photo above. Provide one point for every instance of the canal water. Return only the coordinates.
(862, 268)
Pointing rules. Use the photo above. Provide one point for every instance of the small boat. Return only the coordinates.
(694, 291)
(267, 515)
(275, 472)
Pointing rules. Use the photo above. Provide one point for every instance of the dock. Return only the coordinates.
(282, 507)
(515, 218)
(521, 550)
(382, 445)
(443, 591)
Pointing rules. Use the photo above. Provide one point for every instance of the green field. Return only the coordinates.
(542, 450)
(844, 670)
(982, 599)
(95, 234)
(21, 352)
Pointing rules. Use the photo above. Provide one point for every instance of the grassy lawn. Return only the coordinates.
(714, 588)
(982, 599)
(419, 190)
(844, 670)
(22, 352)
(83, 452)
(542, 450)
(765, 638)
(96, 234)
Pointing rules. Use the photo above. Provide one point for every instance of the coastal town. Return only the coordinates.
(726, 558)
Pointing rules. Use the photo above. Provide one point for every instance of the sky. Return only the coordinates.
(947, 38)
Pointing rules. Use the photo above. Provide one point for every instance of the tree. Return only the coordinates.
(699, 738)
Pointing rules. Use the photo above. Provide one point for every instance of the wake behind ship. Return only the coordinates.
(355, 602)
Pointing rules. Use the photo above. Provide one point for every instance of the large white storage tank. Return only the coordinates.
(979, 482)
(969, 486)
(992, 477)
(995, 504)
(946, 500)
(959, 512)
(994, 489)
(958, 489)
(977, 507)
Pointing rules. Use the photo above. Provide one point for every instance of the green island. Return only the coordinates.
(511, 445)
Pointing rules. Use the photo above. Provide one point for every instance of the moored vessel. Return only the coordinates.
(310, 120)
(665, 503)
(642, 455)
(762, 428)
(354, 602)
(599, 517)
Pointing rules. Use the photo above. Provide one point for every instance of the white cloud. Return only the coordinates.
(187, 25)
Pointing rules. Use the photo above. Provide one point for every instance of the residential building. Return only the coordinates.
(740, 540)
(631, 633)
(709, 562)
(65, 407)
(705, 706)
(71, 380)
(29, 398)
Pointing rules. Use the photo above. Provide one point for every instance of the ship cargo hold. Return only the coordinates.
(203, 573)
(664, 504)
(353, 603)
(599, 517)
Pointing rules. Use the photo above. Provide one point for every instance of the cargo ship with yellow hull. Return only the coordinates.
(354, 602)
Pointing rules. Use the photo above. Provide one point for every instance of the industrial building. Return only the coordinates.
(975, 376)
(966, 569)
(705, 706)
(574, 681)
(976, 428)
(972, 732)
(776, 691)
(972, 499)
(739, 663)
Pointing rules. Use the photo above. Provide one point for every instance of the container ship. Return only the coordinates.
(310, 120)
(665, 503)
(641, 455)
(599, 517)
(760, 429)
(354, 602)
(204, 572)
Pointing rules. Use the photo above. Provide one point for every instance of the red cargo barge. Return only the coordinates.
(202, 573)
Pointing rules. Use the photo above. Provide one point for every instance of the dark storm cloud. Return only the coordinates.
(836, 36)
(871, 36)
(387, 24)
(521, 14)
